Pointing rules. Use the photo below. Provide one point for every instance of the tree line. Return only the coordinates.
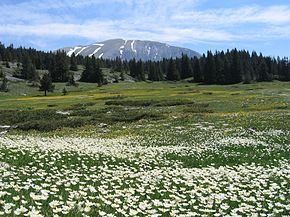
(225, 67)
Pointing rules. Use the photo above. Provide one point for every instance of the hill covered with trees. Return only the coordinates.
(225, 67)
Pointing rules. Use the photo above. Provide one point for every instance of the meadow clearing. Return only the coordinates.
(146, 149)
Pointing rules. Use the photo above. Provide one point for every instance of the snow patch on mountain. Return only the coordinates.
(81, 50)
(95, 51)
(72, 50)
(101, 45)
(130, 49)
(132, 46)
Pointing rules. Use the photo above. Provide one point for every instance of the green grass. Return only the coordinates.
(183, 143)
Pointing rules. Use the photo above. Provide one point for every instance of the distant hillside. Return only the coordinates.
(129, 49)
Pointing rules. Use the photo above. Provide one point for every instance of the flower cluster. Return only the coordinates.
(138, 176)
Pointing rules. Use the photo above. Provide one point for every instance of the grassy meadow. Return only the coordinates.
(146, 149)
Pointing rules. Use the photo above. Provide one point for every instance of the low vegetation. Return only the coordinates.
(145, 149)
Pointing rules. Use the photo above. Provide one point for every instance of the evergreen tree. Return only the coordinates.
(140, 71)
(264, 72)
(96, 75)
(46, 84)
(133, 68)
(210, 69)
(236, 67)
(186, 68)
(196, 70)
(92, 72)
(4, 85)
(247, 68)
(220, 71)
(28, 69)
(88, 70)
(60, 70)
(1, 72)
(73, 63)
(172, 73)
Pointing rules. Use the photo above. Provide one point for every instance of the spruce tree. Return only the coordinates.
(133, 68)
(60, 68)
(28, 69)
(186, 68)
(264, 72)
(96, 75)
(4, 85)
(140, 71)
(46, 84)
(210, 69)
(219, 73)
(236, 67)
(172, 73)
(73, 63)
(196, 70)
(88, 70)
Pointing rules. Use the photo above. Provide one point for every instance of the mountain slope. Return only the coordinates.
(129, 49)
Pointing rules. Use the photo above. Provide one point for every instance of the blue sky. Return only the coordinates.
(263, 26)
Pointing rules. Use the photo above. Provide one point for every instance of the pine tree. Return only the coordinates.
(88, 70)
(73, 63)
(4, 85)
(186, 68)
(196, 70)
(96, 75)
(220, 72)
(133, 68)
(46, 84)
(28, 69)
(92, 72)
(264, 72)
(1, 72)
(60, 69)
(210, 69)
(248, 69)
(236, 67)
(172, 73)
(140, 71)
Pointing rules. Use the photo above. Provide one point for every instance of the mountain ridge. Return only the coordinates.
(129, 49)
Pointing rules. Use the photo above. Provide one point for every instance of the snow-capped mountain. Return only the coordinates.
(129, 49)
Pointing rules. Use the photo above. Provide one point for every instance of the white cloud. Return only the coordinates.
(267, 15)
(170, 21)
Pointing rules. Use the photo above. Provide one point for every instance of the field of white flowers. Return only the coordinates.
(199, 169)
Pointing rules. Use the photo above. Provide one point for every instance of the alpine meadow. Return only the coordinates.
(188, 115)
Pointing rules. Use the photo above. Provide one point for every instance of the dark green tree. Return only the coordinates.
(140, 71)
(210, 69)
(186, 67)
(172, 73)
(4, 85)
(73, 63)
(46, 84)
(196, 70)
(60, 68)
(28, 70)
(236, 67)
